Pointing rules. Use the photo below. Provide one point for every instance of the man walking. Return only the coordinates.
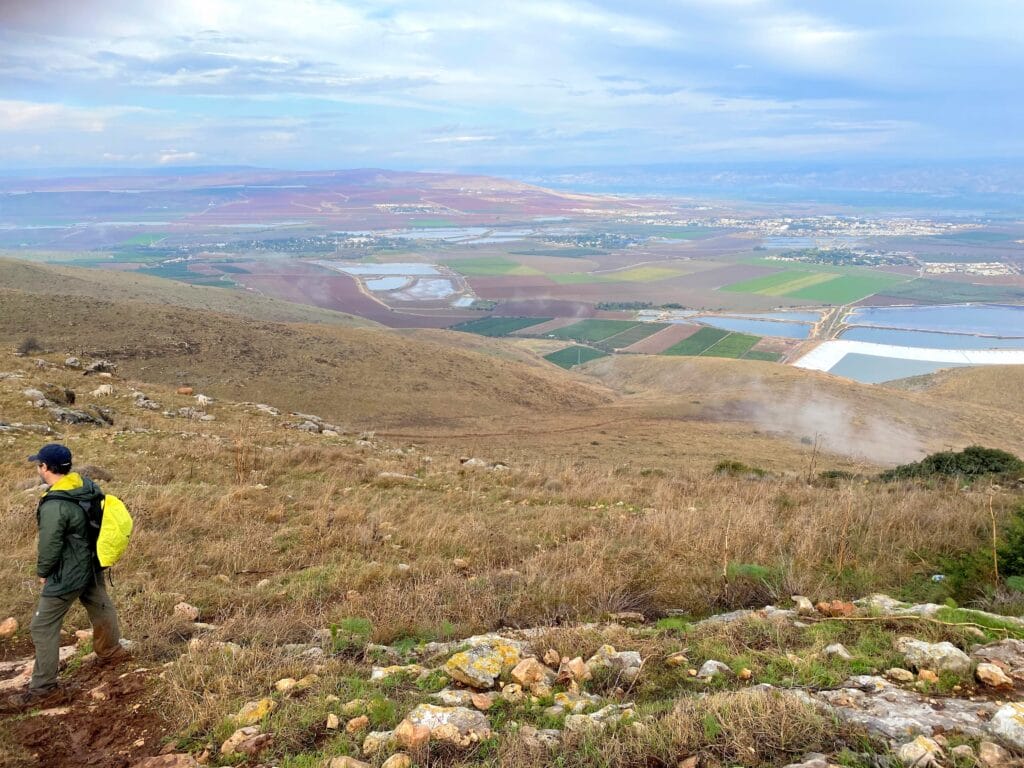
(68, 570)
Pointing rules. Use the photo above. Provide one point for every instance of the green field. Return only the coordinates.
(735, 345)
(632, 335)
(697, 343)
(433, 223)
(780, 283)
(756, 354)
(685, 233)
(631, 275)
(498, 326)
(847, 289)
(570, 356)
(150, 239)
(593, 330)
(489, 266)
(945, 292)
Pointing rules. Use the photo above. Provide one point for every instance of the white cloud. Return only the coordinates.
(173, 157)
(31, 116)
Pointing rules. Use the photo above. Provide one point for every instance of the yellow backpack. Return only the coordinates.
(115, 529)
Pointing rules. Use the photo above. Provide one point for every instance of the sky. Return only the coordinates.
(410, 84)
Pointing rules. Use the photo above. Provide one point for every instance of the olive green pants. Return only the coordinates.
(47, 621)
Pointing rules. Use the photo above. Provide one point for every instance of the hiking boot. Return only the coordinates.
(33, 698)
(119, 656)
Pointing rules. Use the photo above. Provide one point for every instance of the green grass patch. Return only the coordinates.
(944, 292)
(489, 266)
(735, 345)
(757, 354)
(781, 283)
(684, 233)
(150, 239)
(593, 330)
(432, 223)
(697, 343)
(498, 326)
(574, 355)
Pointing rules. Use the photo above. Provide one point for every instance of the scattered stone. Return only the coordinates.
(533, 676)
(839, 651)
(103, 390)
(72, 362)
(965, 753)
(991, 675)
(186, 611)
(745, 674)
(100, 417)
(172, 760)
(1007, 654)
(354, 707)
(256, 744)
(8, 627)
(804, 607)
(454, 697)
(628, 617)
(814, 760)
(457, 726)
(481, 666)
(333, 722)
(552, 658)
(513, 693)
(712, 668)
(540, 743)
(900, 675)
(357, 725)
(254, 711)
(236, 738)
(461, 564)
(483, 701)
(922, 752)
(203, 400)
(992, 755)
(626, 663)
(574, 671)
(398, 760)
(385, 673)
(927, 676)
(184, 391)
(575, 703)
(412, 736)
(677, 659)
(942, 657)
(397, 476)
(835, 609)
(692, 761)
(610, 715)
(472, 463)
(379, 741)
(347, 762)
(100, 366)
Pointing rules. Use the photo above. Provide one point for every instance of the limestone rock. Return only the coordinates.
(677, 660)
(835, 608)
(254, 711)
(942, 657)
(532, 675)
(900, 675)
(575, 703)
(454, 697)
(513, 693)
(457, 726)
(992, 755)
(839, 651)
(483, 701)
(804, 607)
(1006, 654)
(379, 741)
(231, 743)
(607, 656)
(712, 668)
(8, 628)
(481, 666)
(347, 762)
(539, 743)
(552, 658)
(186, 611)
(255, 744)
(357, 725)
(384, 673)
(613, 713)
(574, 671)
(927, 676)
(398, 760)
(922, 752)
(1008, 725)
(333, 722)
(412, 736)
(353, 707)
(992, 676)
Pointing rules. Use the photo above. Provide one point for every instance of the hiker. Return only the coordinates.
(68, 569)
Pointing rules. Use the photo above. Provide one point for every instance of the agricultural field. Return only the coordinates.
(574, 355)
(828, 287)
(499, 326)
(593, 330)
(489, 266)
(948, 292)
(630, 336)
(712, 342)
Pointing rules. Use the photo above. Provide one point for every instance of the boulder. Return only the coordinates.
(804, 607)
(610, 715)
(837, 650)
(8, 628)
(900, 675)
(942, 657)
(922, 752)
(398, 760)
(992, 676)
(1008, 655)
(385, 673)
(186, 611)
(379, 741)
(712, 668)
(481, 666)
(357, 725)
(1007, 725)
(532, 675)
(456, 726)
(346, 762)
(991, 755)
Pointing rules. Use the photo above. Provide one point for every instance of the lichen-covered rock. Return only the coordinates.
(941, 657)
(483, 665)
(532, 675)
(377, 742)
(384, 673)
(607, 656)
(1007, 725)
(254, 711)
(575, 703)
(457, 726)
(454, 697)
(610, 715)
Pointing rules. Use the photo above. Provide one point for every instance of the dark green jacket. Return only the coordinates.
(66, 557)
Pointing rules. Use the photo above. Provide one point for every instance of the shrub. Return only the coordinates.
(737, 469)
(1011, 553)
(28, 345)
(974, 461)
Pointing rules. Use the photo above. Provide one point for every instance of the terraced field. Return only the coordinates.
(574, 355)
(498, 326)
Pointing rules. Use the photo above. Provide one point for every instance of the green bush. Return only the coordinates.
(737, 469)
(974, 461)
(1011, 553)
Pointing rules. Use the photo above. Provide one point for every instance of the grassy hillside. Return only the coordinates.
(111, 285)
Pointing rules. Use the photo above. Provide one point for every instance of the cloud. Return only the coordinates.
(29, 116)
(174, 157)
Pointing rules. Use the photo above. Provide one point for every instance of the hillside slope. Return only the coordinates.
(110, 285)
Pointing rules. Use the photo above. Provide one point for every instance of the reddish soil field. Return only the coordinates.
(662, 340)
(550, 325)
(545, 308)
(309, 284)
(498, 288)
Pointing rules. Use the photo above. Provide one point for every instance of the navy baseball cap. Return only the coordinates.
(54, 456)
